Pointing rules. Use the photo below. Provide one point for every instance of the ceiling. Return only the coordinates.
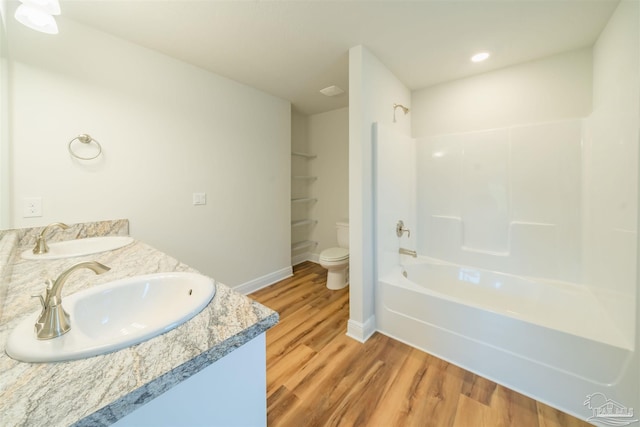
(292, 49)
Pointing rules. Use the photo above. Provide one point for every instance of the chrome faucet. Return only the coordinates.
(54, 320)
(41, 244)
(403, 251)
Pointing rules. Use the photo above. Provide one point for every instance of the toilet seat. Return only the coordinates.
(334, 254)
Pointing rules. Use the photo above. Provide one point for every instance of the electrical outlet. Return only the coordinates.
(32, 207)
(199, 198)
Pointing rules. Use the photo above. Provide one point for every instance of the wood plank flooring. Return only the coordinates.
(317, 376)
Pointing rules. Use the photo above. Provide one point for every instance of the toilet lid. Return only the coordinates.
(334, 254)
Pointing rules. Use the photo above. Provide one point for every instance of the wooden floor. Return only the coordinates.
(317, 376)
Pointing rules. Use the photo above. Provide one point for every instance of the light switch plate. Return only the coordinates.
(199, 198)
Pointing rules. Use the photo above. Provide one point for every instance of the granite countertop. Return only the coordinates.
(100, 390)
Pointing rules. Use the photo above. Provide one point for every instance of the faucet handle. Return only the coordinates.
(45, 300)
(41, 300)
(400, 230)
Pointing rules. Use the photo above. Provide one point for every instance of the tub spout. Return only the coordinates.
(404, 251)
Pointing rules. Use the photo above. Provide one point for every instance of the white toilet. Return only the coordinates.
(336, 260)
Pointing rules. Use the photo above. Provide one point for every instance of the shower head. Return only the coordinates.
(405, 109)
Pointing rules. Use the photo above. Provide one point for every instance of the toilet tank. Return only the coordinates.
(342, 228)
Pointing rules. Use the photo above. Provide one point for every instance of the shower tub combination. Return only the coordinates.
(499, 285)
(549, 340)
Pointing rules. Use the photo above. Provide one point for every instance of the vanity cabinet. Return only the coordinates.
(230, 392)
(208, 371)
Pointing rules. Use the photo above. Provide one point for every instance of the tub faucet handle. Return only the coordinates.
(400, 230)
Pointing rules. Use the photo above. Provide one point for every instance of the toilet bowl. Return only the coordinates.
(336, 260)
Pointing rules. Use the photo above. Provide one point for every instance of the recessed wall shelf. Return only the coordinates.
(302, 206)
(303, 244)
(300, 154)
(304, 200)
(301, 222)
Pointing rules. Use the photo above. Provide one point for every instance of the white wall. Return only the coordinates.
(395, 183)
(611, 179)
(168, 129)
(611, 157)
(329, 140)
(549, 89)
(373, 90)
(4, 124)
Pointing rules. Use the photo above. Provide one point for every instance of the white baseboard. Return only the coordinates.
(307, 256)
(264, 281)
(300, 258)
(361, 331)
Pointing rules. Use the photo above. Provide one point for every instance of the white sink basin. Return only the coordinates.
(80, 247)
(115, 315)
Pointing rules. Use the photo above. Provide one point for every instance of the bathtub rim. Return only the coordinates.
(395, 277)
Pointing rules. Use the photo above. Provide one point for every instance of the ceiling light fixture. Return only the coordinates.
(38, 15)
(480, 56)
(331, 91)
(52, 7)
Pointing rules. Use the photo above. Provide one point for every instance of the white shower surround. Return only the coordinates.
(525, 339)
(507, 199)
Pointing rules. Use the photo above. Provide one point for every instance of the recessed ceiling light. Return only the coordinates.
(331, 91)
(480, 56)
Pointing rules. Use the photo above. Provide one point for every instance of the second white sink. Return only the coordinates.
(115, 315)
(80, 247)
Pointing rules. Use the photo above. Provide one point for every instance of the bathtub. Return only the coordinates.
(524, 334)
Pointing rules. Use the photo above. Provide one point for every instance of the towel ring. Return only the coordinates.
(85, 139)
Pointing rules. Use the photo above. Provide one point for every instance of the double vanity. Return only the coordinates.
(152, 342)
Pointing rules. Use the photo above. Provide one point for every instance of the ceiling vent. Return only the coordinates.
(331, 91)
